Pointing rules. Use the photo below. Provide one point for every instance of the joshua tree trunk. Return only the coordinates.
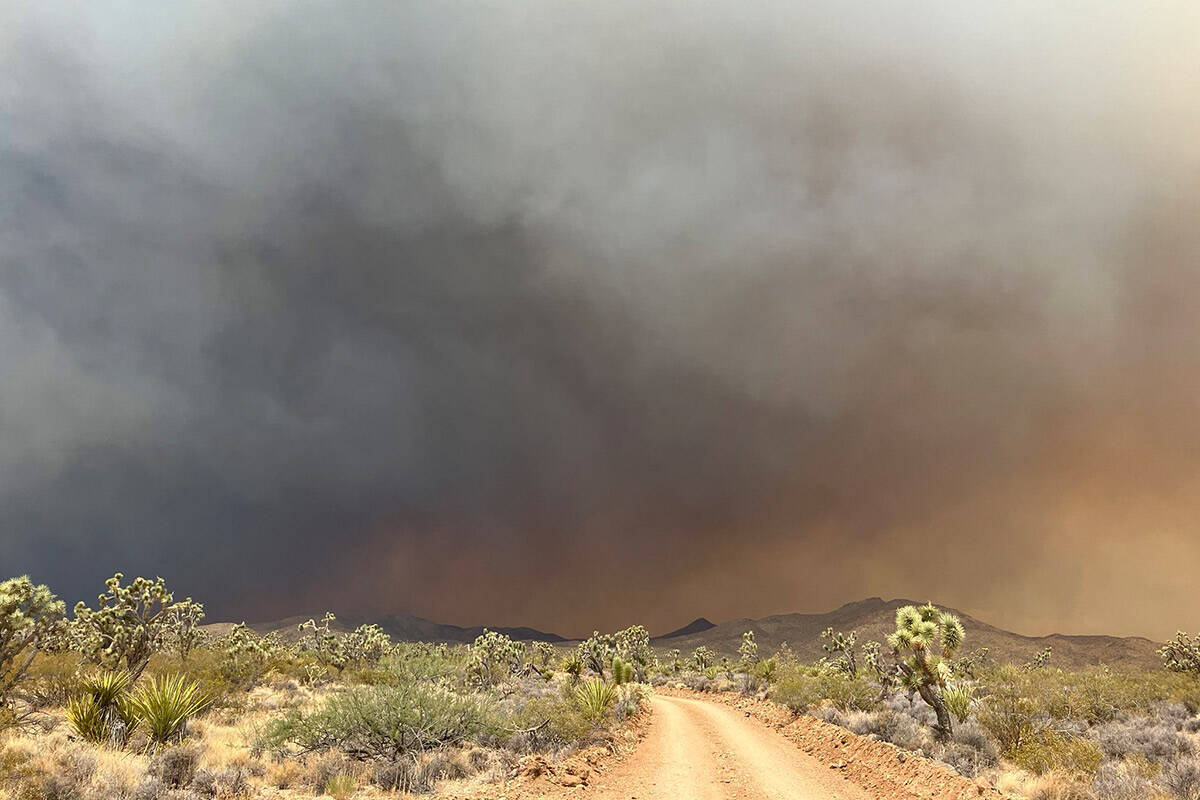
(932, 695)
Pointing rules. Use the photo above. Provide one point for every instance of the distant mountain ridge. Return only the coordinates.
(698, 625)
(874, 618)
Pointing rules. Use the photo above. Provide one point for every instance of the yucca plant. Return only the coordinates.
(99, 712)
(958, 701)
(164, 706)
(106, 688)
(594, 697)
(85, 716)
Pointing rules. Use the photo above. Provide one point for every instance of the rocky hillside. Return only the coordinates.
(873, 619)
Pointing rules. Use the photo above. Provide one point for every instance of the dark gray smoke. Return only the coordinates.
(573, 314)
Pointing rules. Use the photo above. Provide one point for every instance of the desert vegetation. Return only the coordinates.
(132, 698)
(1029, 729)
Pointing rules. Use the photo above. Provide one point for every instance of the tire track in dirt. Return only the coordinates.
(697, 750)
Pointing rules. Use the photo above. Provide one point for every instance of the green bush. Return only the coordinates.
(546, 723)
(382, 722)
(1050, 751)
(801, 689)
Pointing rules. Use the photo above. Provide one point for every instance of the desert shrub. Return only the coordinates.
(382, 722)
(767, 669)
(899, 729)
(975, 736)
(1049, 751)
(1182, 778)
(800, 690)
(1010, 717)
(1154, 739)
(51, 679)
(969, 750)
(400, 776)
(543, 723)
(1059, 786)
(339, 787)
(163, 706)
(440, 766)
(29, 613)
(962, 758)
(68, 777)
(594, 698)
(231, 781)
(175, 766)
(1115, 781)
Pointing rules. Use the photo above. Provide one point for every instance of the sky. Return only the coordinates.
(578, 315)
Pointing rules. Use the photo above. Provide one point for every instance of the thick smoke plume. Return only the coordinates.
(574, 314)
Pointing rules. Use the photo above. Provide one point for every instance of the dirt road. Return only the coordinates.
(698, 750)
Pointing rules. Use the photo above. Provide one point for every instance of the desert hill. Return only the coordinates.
(873, 619)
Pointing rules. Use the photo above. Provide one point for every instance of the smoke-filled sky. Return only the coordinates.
(576, 315)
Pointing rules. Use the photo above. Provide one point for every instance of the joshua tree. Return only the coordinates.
(671, 661)
(130, 623)
(183, 633)
(542, 653)
(323, 642)
(924, 641)
(633, 646)
(597, 651)
(748, 651)
(494, 657)
(245, 651)
(28, 614)
(841, 646)
(1182, 654)
(703, 658)
(367, 644)
(1040, 660)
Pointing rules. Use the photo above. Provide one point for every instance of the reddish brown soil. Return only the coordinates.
(719, 747)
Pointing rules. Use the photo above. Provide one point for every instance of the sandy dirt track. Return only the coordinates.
(698, 750)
